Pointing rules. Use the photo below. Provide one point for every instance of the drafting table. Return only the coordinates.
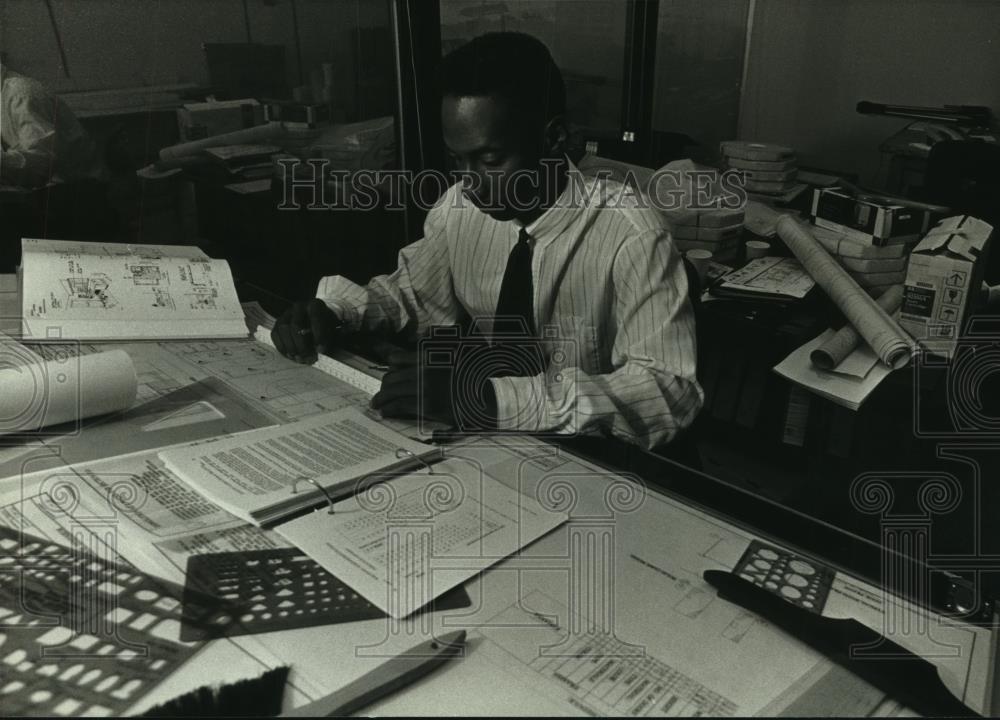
(608, 614)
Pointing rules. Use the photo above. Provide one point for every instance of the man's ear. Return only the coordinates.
(556, 136)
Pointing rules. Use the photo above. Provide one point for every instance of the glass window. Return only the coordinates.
(126, 68)
(586, 38)
(699, 68)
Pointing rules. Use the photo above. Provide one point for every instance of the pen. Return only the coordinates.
(387, 678)
(446, 436)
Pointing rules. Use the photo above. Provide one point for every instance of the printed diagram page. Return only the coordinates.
(96, 291)
(775, 276)
(404, 542)
(609, 615)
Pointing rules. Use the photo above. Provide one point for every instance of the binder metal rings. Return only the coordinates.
(403, 452)
(319, 487)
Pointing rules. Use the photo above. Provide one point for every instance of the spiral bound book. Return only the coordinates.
(269, 475)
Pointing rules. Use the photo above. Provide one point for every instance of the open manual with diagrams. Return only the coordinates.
(606, 612)
(109, 291)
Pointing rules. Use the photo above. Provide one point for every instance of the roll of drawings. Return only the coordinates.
(831, 353)
(883, 334)
(38, 393)
(248, 136)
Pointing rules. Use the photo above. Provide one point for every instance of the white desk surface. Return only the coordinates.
(630, 560)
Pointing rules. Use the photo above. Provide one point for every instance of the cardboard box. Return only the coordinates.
(201, 120)
(885, 223)
(863, 238)
(845, 245)
(943, 279)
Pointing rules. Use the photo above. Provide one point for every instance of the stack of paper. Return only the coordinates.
(849, 384)
(767, 278)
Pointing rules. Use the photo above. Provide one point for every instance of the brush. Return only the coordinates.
(254, 697)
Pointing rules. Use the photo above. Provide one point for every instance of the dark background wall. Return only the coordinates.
(811, 62)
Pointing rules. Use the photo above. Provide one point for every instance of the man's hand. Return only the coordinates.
(411, 389)
(305, 329)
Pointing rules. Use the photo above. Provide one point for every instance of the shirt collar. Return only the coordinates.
(547, 226)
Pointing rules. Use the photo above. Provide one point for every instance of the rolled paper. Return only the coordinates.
(831, 353)
(883, 334)
(38, 393)
(248, 136)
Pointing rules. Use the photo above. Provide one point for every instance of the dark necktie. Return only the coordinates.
(516, 350)
(515, 307)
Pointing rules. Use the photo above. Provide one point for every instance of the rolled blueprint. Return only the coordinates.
(38, 393)
(889, 341)
(831, 353)
(249, 136)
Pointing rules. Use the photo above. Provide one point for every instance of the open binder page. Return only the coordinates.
(404, 543)
(265, 475)
(109, 291)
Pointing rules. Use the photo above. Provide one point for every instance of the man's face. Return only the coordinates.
(497, 153)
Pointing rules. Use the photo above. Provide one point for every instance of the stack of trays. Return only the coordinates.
(874, 268)
(716, 230)
(766, 169)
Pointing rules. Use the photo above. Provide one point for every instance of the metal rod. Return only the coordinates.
(298, 42)
(246, 21)
(59, 42)
(398, 7)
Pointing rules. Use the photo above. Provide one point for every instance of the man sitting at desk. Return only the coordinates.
(527, 243)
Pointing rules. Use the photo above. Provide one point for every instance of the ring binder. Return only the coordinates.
(322, 489)
(251, 474)
(403, 452)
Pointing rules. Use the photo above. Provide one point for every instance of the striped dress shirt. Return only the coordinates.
(610, 303)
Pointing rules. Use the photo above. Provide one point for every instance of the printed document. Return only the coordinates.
(266, 475)
(403, 543)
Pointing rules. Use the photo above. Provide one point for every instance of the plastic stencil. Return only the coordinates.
(80, 634)
(265, 590)
(798, 580)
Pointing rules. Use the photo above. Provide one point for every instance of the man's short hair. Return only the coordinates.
(514, 66)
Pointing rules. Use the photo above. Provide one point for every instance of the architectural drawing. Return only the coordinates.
(68, 286)
(146, 274)
(90, 291)
(203, 298)
(162, 299)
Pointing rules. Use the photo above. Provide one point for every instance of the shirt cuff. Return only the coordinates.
(523, 405)
(349, 316)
